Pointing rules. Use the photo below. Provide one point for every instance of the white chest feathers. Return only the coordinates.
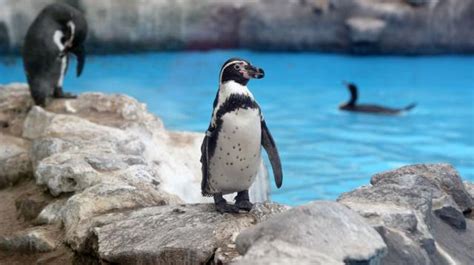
(236, 159)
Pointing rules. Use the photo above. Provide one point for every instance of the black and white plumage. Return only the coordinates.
(352, 105)
(231, 150)
(58, 30)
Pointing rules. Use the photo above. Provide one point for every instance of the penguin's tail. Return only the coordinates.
(410, 107)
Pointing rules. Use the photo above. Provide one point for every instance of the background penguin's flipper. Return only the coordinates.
(409, 107)
(269, 144)
(80, 53)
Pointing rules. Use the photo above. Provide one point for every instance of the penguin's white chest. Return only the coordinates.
(236, 159)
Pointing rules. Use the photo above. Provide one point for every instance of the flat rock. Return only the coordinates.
(328, 227)
(184, 234)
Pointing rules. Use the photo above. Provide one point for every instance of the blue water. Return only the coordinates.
(324, 151)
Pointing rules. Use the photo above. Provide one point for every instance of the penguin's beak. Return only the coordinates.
(80, 53)
(254, 72)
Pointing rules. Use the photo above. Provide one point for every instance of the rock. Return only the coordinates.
(469, 188)
(15, 102)
(453, 245)
(104, 198)
(278, 252)
(36, 240)
(185, 234)
(120, 111)
(407, 205)
(365, 29)
(15, 163)
(52, 213)
(443, 176)
(328, 227)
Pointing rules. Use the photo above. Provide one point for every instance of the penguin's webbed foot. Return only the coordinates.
(68, 95)
(242, 201)
(222, 206)
(244, 205)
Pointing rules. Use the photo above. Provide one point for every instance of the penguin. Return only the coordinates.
(57, 31)
(231, 149)
(352, 105)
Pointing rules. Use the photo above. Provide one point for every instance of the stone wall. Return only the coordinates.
(351, 26)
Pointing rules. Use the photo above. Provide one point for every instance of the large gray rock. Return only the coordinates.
(442, 176)
(15, 162)
(327, 228)
(184, 234)
(409, 206)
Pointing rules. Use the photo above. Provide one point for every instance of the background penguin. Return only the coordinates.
(352, 105)
(58, 30)
(230, 152)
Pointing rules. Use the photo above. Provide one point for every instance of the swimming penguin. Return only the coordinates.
(352, 105)
(230, 152)
(58, 30)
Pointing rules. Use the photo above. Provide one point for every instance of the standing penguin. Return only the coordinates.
(58, 30)
(230, 152)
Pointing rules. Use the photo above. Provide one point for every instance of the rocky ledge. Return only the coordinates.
(352, 26)
(99, 180)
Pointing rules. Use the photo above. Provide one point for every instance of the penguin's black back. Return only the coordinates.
(41, 55)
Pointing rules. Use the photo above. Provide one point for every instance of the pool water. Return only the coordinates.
(324, 151)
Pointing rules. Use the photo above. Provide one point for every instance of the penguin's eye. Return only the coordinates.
(237, 67)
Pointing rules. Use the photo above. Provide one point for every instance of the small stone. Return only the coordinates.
(36, 240)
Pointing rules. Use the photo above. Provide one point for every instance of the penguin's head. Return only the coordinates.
(71, 21)
(354, 95)
(240, 71)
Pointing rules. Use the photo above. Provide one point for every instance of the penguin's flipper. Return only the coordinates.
(204, 164)
(269, 144)
(80, 53)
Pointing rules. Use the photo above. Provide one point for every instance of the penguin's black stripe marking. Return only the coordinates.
(234, 102)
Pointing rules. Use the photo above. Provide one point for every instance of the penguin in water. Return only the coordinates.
(352, 105)
(56, 32)
(231, 149)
